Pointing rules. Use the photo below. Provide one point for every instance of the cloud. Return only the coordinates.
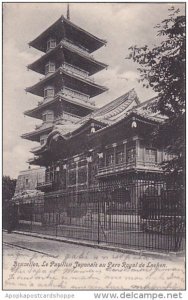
(16, 158)
(129, 76)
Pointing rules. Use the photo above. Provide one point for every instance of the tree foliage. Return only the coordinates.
(8, 186)
(162, 67)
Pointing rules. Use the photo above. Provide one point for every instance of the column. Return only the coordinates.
(137, 152)
(87, 174)
(125, 152)
(64, 176)
(135, 138)
(76, 175)
(114, 146)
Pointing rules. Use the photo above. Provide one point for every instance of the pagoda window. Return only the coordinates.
(82, 175)
(131, 155)
(101, 160)
(48, 116)
(47, 175)
(72, 177)
(119, 154)
(51, 43)
(151, 155)
(110, 157)
(131, 152)
(49, 68)
(49, 92)
(43, 139)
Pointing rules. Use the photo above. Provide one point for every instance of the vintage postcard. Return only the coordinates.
(94, 147)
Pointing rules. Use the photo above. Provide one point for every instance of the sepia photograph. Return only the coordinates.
(93, 186)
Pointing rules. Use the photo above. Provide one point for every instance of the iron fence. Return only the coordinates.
(142, 214)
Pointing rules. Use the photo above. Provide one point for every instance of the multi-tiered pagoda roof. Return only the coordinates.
(65, 77)
(65, 29)
(67, 87)
(70, 53)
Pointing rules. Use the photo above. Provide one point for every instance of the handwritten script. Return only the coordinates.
(91, 270)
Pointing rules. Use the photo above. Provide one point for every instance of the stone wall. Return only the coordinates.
(28, 179)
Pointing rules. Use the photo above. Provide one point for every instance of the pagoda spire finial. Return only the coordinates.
(68, 12)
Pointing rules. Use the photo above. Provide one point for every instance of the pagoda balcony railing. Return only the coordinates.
(40, 103)
(32, 159)
(37, 147)
(38, 126)
(123, 166)
(47, 74)
(70, 93)
(77, 71)
(43, 125)
(45, 100)
(68, 117)
(79, 48)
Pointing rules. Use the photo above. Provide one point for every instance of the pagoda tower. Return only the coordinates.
(67, 88)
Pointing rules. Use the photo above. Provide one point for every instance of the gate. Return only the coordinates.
(141, 215)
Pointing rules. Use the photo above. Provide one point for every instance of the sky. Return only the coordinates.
(121, 24)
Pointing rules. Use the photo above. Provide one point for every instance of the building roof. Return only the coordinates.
(37, 111)
(64, 51)
(58, 130)
(114, 110)
(63, 27)
(145, 110)
(106, 115)
(69, 80)
(117, 110)
(125, 106)
(35, 134)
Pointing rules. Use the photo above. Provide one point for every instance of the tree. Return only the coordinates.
(162, 67)
(9, 186)
(8, 214)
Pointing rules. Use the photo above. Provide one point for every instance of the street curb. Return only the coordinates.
(170, 255)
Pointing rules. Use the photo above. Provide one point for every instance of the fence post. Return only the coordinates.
(56, 223)
(98, 220)
(32, 206)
